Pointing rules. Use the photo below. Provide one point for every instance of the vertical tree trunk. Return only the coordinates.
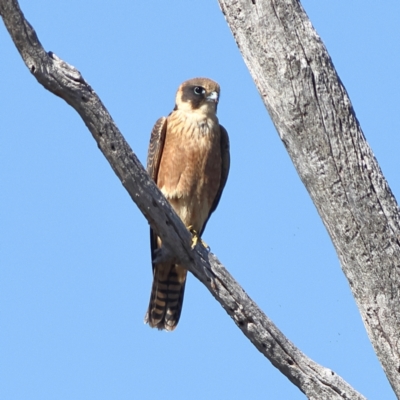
(317, 124)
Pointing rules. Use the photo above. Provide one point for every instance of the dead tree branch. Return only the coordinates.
(317, 124)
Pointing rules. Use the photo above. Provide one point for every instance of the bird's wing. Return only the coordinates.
(156, 147)
(225, 161)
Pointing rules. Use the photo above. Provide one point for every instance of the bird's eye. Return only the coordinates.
(199, 90)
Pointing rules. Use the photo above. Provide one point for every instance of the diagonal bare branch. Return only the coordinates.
(66, 82)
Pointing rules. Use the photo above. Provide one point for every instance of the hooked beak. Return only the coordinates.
(212, 97)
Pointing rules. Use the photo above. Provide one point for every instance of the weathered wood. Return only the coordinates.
(66, 82)
(317, 124)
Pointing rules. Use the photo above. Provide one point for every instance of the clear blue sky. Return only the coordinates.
(75, 271)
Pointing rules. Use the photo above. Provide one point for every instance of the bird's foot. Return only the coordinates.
(196, 238)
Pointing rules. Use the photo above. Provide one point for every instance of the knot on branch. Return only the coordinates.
(68, 70)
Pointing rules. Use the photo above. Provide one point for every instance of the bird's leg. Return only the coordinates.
(196, 238)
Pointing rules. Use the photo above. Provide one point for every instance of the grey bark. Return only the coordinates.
(66, 82)
(314, 117)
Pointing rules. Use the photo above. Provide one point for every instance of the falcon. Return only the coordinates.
(188, 159)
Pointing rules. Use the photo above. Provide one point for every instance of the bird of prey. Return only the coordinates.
(188, 159)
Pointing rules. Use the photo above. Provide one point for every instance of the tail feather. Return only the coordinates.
(166, 297)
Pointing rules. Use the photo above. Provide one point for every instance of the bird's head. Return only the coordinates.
(198, 94)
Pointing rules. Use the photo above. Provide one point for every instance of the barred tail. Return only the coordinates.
(166, 297)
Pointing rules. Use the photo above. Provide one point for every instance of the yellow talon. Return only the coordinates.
(196, 238)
